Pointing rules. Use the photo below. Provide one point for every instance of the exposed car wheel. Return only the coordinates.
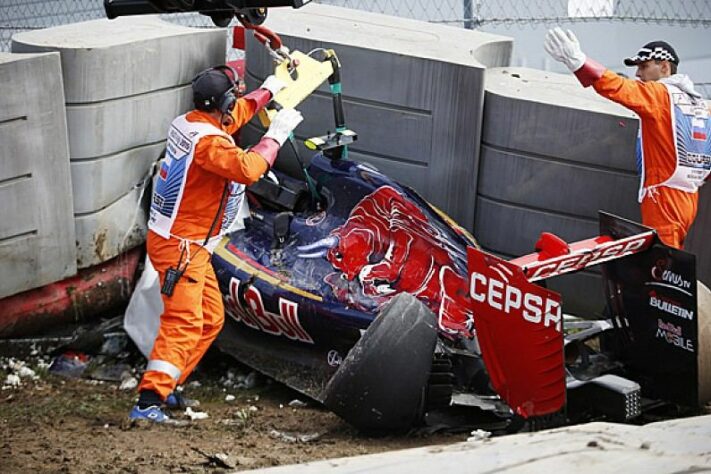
(381, 384)
(704, 343)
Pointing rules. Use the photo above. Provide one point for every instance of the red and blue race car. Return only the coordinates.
(373, 302)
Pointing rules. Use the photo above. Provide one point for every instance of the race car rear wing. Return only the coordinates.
(519, 323)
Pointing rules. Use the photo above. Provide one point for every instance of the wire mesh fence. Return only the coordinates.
(22, 15)
(473, 13)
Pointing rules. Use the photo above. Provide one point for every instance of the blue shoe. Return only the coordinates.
(176, 401)
(152, 413)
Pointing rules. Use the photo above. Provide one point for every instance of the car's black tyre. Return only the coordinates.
(381, 384)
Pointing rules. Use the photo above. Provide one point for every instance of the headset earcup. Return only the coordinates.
(227, 102)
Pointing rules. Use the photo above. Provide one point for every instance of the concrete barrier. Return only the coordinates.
(112, 59)
(682, 445)
(36, 228)
(103, 238)
(99, 176)
(125, 80)
(552, 155)
(412, 90)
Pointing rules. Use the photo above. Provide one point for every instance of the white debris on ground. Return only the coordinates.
(196, 415)
(229, 379)
(239, 381)
(479, 435)
(296, 403)
(12, 380)
(19, 371)
(250, 381)
(230, 398)
(128, 383)
(25, 372)
(253, 409)
(294, 437)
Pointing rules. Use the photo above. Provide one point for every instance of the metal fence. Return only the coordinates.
(22, 15)
(473, 13)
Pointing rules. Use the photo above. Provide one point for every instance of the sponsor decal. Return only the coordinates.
(286, 323)
(388, 246)
(519, 329)
(178, 140)
(666, 278)
(673, 335)
(158, 200)
(669, 306)
(334, 358)
(510, 300)
(601, 253)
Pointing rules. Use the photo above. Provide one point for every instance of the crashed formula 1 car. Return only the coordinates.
(354, 290)
(387, 312)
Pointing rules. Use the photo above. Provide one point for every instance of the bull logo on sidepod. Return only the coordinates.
(388, 246)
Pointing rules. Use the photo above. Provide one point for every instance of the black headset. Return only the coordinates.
(226, 101)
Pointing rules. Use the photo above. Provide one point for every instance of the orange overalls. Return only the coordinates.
(668, 210)
(193, 316)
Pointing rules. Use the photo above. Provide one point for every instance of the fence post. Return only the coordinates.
(468, 8)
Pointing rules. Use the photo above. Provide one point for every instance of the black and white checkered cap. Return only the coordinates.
(656, 50)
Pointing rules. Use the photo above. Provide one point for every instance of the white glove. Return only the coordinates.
(564, 47)
(273, 85)
(284, 122)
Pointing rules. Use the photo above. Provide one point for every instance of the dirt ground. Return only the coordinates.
(59, 424)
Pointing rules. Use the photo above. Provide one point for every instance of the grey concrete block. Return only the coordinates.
(36, 227)
(102, 181)
(512, 231)
(413, 91)
(555, 185)
(549, 114)
(105, 128)
(109, 59)
(104, 234)
(125, 80)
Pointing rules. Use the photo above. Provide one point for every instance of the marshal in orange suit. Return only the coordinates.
(197, 196)
(674, 143)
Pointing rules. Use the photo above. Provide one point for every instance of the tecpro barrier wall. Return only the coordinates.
(552, 155)
(36, 226)
(125, 80)
(413, 91)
